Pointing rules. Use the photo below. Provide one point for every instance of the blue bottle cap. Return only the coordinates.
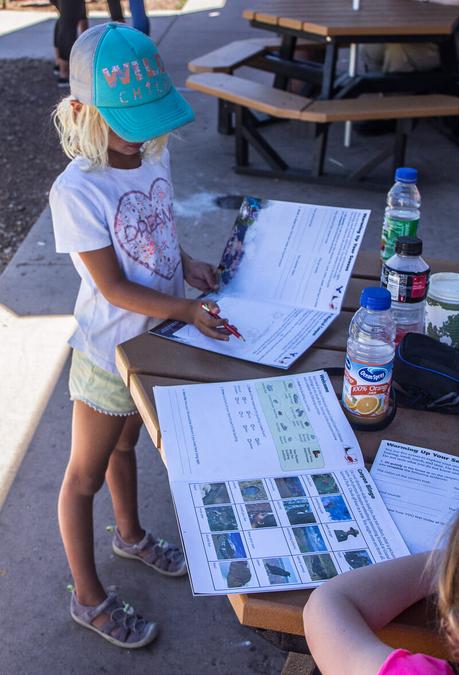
(375, 298)
(406, 175)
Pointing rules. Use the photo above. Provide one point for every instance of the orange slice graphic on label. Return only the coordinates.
(351, 402)
(367, 405)
(380, 405)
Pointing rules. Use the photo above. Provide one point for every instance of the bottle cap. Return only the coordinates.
(408, 246)
(375, 298)
(405, 175)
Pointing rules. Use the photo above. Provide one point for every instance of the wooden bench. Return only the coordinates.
(233, 55)
(255, 52)
(245, 96)
(239, 53)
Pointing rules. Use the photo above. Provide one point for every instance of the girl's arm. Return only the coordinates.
(103, 266)
(341, 615)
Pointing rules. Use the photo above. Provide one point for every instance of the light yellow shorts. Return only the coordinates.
(98, 388)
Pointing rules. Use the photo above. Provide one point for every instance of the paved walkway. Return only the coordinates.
(199, 636)
(12, 21)
(37, 292)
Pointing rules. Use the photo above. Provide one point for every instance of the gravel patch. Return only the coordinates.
(30, 155)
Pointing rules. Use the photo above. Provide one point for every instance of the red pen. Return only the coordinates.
(231, 329)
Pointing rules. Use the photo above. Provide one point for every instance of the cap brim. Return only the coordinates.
(140, 123)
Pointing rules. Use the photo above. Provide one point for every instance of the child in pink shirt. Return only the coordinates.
(343, 615)
(402, 662)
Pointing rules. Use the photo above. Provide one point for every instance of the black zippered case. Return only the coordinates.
(426, 374)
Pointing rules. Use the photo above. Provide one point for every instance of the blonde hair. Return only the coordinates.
(448, 590)
(84, 133)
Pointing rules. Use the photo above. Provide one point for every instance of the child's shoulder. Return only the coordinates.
(75, 176)
(75, 190)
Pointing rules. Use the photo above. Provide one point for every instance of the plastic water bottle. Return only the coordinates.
(406, 277)
(369, 358)
(401, 217)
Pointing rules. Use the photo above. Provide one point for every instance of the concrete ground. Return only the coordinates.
(202, 635)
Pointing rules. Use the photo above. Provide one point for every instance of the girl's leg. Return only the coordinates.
(55, 34)
(140, 19)
(116, 11)
(121, 478)
(83, 23)
(122, 481)
(94, 436)
(70, 12)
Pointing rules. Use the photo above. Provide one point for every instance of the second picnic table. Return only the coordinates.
(329, 96)
(334, 23)
(148, 360)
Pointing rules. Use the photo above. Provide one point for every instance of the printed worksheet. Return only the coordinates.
(283, 275)
(420, 488)
(269, 485)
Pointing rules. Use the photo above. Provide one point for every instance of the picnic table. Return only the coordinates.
(148, 360)
(328, 96)
(334, 23)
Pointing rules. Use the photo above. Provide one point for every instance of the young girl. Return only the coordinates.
(341, 616)
(112, 211)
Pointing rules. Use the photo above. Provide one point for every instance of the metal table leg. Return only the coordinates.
(321, 130)
(286, 51)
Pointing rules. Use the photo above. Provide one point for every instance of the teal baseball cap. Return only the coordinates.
(119, 70)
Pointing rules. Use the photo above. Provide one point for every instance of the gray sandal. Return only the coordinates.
(124, 628)
(163, 557)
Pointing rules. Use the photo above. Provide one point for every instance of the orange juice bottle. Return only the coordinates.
(369, 358)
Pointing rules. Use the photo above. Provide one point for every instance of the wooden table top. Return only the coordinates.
(375, 17)
(149, 360)
(282, 611)
(153, 355)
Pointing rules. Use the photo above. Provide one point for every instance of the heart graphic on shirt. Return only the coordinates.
(145, 228)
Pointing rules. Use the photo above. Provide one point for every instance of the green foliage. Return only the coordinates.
(448, 328)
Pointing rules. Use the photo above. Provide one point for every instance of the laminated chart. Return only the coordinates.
(269, 485)
(290, 427)
(302, 531)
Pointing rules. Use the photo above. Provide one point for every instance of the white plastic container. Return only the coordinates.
(369, 358)
(442, 308)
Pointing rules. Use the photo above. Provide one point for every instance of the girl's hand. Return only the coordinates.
(206, 323)
(199, 274)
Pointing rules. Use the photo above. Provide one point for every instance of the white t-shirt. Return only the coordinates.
(131, 210)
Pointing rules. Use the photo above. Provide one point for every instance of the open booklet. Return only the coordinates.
(269, 485)
(284, 272)
(420, 487)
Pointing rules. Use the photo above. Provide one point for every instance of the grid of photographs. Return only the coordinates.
(276, 532)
